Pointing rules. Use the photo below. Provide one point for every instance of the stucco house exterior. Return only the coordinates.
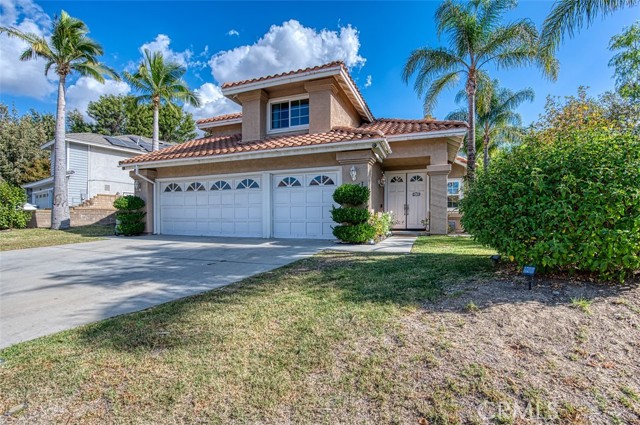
(270, 170)
(92, 164)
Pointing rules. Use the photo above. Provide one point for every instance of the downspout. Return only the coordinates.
(153, 185)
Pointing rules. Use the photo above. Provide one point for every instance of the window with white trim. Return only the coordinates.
(287, 115)
(248, 184)
(173, 187)
(454, 193)
(321, 181)
(289, 182)
(196, 187)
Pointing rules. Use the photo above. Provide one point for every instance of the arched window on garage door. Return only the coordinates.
(173, 187)
(289, 182)
(321, 181)
(196, 187)
(248, 184)
(220, 185)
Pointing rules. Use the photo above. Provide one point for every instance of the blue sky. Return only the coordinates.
(219, 41)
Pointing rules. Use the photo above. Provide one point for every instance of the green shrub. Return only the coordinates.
(381, 223)
(129, 218)
(570, 204)
(359, 233)
(12, 198)
(128, 203)
(350, 215)
(352, 195)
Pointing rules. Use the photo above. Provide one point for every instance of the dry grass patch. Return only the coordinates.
(35, 238)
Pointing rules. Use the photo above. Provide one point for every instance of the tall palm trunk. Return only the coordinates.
(156, 125)
(60, 218)
(485, 146)
(471, 137)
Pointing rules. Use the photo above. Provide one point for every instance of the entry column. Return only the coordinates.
(438, 198)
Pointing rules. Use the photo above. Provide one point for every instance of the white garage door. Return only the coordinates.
(302, 205)
(213, 207)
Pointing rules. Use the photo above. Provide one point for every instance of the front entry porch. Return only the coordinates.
(407, 198)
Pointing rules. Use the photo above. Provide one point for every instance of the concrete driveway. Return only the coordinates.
(46, 290)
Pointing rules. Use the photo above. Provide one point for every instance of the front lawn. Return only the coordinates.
(34, 238)
(431, 337)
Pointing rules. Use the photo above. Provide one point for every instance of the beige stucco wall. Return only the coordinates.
(223, 130)
(457, 171)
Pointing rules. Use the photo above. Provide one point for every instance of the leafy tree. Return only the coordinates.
(160, 82)
(569, 16)
(477, 39)
(21, 159)
(77, 124)
(68, 50)
(627, 61)
(176, 126)
(568, 198)
(498, 122)
(110, 114)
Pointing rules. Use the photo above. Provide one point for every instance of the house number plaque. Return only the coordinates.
(416, 193)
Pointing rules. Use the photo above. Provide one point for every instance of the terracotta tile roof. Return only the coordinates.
(214, 146)
(219, 118)
(284, 74)
(390, 126)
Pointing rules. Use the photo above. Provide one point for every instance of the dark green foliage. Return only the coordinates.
(12, 198)
(351, 195)
(128, 203)
(350, 215)
(130, 220)
(21, 159)
(568, 202)
(359, 233)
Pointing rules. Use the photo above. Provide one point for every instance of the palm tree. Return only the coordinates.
(477, 39)
(569, 16)
(160, 81)
(68, 50)
(497, 119)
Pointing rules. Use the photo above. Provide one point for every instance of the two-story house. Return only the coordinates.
(92, 167)
(271, 170)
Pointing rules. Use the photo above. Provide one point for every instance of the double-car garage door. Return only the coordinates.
(292, 205)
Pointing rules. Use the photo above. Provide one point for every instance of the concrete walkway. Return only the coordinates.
(46, 290)
(397, 244)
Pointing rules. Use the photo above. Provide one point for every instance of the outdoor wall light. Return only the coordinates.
(137, 186)
(353, 173)
(382, 181)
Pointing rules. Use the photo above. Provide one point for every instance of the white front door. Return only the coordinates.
(407, 199)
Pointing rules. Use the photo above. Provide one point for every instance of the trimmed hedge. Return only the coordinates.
(12, 199)
(350, 215)
(359, 233)
(572, 204)
(129, 218)
(351, 195)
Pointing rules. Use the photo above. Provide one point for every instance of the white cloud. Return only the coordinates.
(212, 102)
(286, 47)
(17, 77)
(368, 82)
(233, 32)
(87, 89)
(162, 44)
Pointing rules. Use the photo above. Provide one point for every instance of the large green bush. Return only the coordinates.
(352, 195)
(129, 218)
(12, 198)
(358, 233)
(350, 215)
(569, 203)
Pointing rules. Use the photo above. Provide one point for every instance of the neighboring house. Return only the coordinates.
(271, 170)
(92, 167)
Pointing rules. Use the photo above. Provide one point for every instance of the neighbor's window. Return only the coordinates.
(290, 114)
(454, 193)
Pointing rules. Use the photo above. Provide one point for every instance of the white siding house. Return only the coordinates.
(92, 167)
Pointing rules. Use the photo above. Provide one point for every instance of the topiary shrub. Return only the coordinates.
(129, 218)
(12, 199)
(567, 204)
(351, 195)
(358, 233)
(350, 215)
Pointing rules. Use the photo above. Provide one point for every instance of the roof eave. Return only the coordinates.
(220, 123)
(378, 143)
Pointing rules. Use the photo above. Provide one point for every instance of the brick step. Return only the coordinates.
(100, 201)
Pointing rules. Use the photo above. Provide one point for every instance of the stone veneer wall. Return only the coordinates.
(79, 217)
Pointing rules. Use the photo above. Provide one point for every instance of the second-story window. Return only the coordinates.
(289, 114)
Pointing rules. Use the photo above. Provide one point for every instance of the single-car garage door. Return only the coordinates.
(213, 207)
(302, 205)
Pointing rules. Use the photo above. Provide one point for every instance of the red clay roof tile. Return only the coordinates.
(218, 118)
